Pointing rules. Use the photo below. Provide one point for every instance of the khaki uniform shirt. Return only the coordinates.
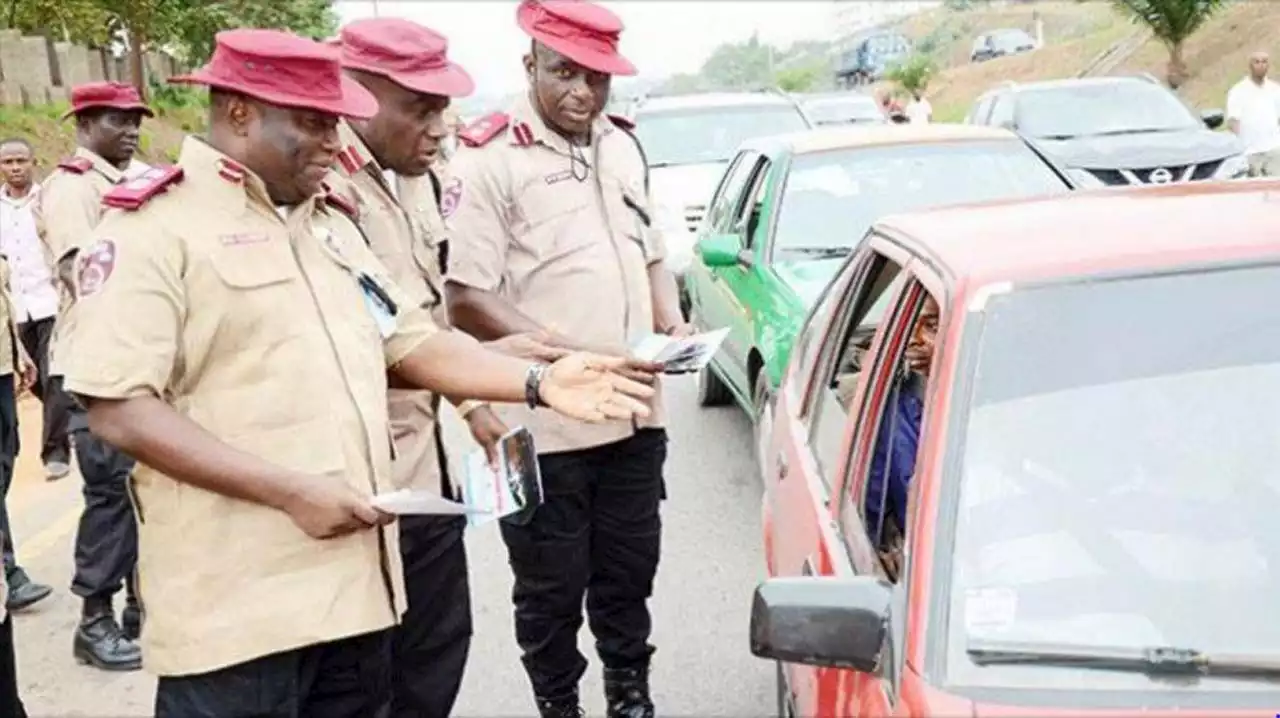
(401, 222)
(9, 347)
(569, 254)
(255, 328)
(70, 207)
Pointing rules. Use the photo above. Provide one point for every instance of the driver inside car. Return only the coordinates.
(894, 459)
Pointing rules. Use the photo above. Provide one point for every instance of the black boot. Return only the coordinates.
(560, 708)
(626, 692)
(101, 643)
(23, 592)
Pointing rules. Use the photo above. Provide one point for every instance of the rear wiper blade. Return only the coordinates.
(819, 251)
(1153, 660)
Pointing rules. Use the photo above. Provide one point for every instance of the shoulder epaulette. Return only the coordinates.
(624, 123)
(342, 204)
(484, 129)
(136, 192)
(77, 165)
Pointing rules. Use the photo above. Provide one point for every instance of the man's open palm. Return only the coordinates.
(585, 386)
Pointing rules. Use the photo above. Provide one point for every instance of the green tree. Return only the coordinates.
(742, 65)
(82, 21)
(196, 28)
(1173, 22)
(802, 78)
(913, 74)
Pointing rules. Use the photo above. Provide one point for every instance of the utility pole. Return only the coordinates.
(375, 8)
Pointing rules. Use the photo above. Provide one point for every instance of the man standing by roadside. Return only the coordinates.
(1253, 113)
(17, 228)
(108, 117)
(35, 296)
(389, 160)
(549, 215)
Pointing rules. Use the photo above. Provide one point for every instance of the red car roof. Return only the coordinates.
(1098, 231)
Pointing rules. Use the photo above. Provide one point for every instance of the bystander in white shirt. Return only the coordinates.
(919, 112)
(34, 295)
(1253, 111)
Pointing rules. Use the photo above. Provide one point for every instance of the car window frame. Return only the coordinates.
(1002, 99)
(755, 190)
(724, 186)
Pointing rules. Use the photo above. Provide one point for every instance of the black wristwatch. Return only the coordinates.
(533, 385)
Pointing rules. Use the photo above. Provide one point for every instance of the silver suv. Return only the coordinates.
(689, 140)
(1115, 130)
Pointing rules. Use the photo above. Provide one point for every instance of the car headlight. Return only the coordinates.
(679, 240)
(1084, 178)
(1233, 167)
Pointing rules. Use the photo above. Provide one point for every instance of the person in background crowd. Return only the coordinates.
(108, 117)
(35, 296)
(390, 160)
(15, 220)
(549, 215)
(1253, 113)
(242, 340)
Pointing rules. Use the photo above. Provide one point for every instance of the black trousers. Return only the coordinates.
(10, 703)
(107, 538)
(348, 678)
(431, 644)
(597, 535)
(8, 456)
(55, 444)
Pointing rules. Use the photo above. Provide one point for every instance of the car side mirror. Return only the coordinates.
(1213, 119)
(720, 250)
(820, 621)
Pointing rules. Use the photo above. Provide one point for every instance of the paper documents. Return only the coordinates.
(410, 502)
(680, 356)
(514, 490)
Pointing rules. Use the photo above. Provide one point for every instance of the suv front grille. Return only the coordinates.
(1168, 174)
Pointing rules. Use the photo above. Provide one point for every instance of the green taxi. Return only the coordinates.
(790, 209)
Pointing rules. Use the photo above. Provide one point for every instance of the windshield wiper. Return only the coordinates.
(1056, 137)
(819, 251)
(657, 165)
(1152, 660)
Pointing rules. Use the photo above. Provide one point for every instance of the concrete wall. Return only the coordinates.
(37, 71)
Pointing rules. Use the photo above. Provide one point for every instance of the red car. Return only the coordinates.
(1026, 462)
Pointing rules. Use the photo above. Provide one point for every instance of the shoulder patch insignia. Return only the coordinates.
(622, 122)
(96, 263)
(343, 204)
(450, 196)
(136, 192)
(484, 129)
(76, 165)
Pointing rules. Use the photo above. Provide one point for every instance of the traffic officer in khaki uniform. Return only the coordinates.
(389, 160)
(17, 373)
(108, 117)
(243, 339)
(549, 218)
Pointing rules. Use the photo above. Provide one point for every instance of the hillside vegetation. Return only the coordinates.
(1076, 35)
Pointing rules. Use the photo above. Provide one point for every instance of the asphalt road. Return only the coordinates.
(711, 560)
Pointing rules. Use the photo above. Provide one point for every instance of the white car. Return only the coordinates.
(688, 141)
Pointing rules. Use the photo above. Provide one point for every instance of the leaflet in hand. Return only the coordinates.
(514, 490)
(417, 502)
(680, 356)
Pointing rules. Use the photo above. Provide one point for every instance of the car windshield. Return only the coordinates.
(1110, 108)
(840, 110)
(711, 134)
(1010, 39)
(831, 198)
(1119, 475)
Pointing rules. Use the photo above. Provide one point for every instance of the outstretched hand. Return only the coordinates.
(592, 387)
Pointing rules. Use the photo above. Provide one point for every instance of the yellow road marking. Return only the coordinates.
(40, 542)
